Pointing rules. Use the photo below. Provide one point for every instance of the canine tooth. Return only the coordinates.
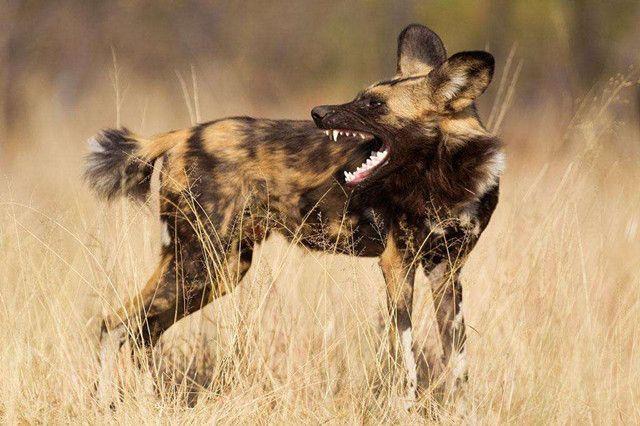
(335, 135)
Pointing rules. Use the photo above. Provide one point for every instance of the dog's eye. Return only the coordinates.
(374, 103)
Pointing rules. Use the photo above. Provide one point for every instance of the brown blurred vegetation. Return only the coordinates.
(279, 58)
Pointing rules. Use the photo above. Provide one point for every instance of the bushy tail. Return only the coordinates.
(121, 163)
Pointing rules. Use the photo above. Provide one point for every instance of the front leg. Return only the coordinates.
(447, 300)
(399, 273)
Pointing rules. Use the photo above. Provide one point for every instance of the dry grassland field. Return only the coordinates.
(552, 290)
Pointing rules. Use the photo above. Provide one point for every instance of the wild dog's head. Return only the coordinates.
(429, 96)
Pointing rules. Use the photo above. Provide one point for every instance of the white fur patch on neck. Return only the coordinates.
(494, 169)
(165, 236)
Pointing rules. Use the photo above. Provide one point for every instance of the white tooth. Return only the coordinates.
(361, 136)
(326, 132)
(341, 132)
(335, 135)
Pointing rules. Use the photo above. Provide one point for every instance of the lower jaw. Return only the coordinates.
(371, 146)
(365, 177)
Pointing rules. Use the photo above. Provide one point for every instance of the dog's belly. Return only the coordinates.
(328, 220)
(351, 233)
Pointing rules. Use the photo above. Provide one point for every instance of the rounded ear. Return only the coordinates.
(461, 79)
(419, 50)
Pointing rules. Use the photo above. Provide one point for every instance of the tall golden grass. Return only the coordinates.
(552, 296)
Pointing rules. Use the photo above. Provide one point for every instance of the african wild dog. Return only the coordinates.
(405, 171)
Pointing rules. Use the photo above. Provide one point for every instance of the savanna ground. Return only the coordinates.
(552, 291)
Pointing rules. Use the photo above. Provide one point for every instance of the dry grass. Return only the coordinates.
(552, 301)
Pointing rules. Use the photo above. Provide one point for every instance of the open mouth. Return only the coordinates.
(378, 157)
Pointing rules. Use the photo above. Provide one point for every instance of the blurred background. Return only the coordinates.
(62, 60)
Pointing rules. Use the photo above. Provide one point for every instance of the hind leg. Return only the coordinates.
(175, 290)
(137, 320)
(166, 297)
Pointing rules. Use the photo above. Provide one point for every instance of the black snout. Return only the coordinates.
(321, 112)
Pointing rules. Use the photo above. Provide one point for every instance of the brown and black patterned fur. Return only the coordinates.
(227, 184)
